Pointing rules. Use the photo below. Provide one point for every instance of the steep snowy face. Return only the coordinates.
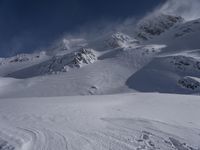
(156, 25)
(120, 40)
(187, 29)
(181, 37)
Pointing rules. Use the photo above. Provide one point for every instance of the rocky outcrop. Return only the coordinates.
(120, 40)
(190, 83)
(185, 63)
(156, 25)
(63, 63)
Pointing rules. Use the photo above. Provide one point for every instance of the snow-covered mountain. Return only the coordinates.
(163, 56)
(60, 63)
(42, 106)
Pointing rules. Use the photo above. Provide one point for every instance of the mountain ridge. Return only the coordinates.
(167, 62)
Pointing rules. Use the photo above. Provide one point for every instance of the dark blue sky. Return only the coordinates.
(26, 25)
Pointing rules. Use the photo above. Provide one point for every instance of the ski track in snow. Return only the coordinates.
(99, 123)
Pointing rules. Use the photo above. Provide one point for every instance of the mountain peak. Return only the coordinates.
(155, 25)
(120, 40)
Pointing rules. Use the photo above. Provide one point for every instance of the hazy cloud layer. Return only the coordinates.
(188, 9)
(26, 26)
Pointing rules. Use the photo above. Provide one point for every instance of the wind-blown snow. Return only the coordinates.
(188, 9)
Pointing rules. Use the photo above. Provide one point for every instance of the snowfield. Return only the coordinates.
(115, 122)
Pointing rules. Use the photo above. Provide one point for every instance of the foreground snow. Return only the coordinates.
(115, 122)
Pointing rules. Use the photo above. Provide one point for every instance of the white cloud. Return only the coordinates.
(188, 9)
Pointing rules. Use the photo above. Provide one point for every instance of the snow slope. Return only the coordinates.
(122, 122)
(21, 61)
(184, 36)
(165, 72)
(105, 76)
(61, 63)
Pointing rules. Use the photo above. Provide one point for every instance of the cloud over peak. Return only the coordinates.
(188, 9)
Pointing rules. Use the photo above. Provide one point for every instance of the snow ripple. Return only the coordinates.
(91, 124)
